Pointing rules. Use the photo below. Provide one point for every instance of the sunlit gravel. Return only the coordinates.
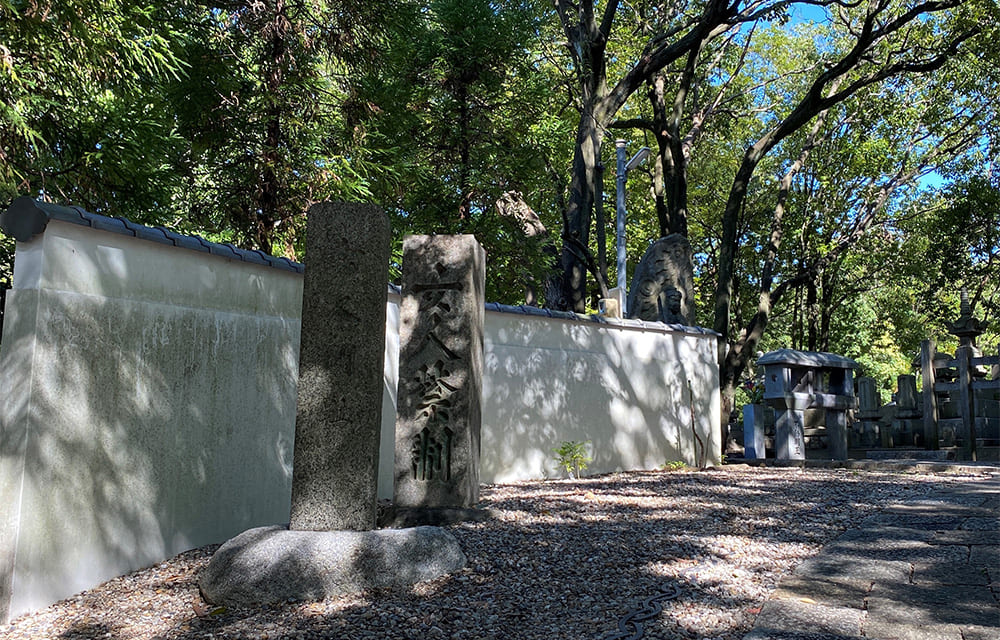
(562, 559)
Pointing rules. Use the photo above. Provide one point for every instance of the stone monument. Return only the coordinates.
(867, 427)
(907, 425)
(663, 285)
(440, 373)
(330, 546)
(338, 417)
(795, 381)
(967, 328)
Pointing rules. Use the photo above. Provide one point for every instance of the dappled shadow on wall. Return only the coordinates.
(626, 391)
(3, 304)
(125, 465)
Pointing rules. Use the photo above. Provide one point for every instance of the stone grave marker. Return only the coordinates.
(440, 373)
(869, 406)
(337, 422)
(907, 427)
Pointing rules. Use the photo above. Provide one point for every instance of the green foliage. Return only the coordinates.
(673, 465)
(573, 457)
(230, 120)
(82, 112)
(463, 116)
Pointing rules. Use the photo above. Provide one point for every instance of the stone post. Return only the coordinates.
(341, 361)
(753, 432)
(908, 419)
(968, 429)
(869, 405)
(440, 372)
(836, 434)
(789, 434)
(927, 380)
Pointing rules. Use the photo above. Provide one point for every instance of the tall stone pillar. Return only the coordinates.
(964, 355)
(929, 397)
(908, 422)
(338, 419)
(440, 372)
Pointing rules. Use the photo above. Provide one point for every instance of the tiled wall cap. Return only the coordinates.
(27, 218)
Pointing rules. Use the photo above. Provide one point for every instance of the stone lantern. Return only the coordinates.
(798, 380)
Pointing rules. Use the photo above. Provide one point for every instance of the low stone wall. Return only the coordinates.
(148, 389)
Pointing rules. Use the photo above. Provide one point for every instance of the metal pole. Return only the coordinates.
(620, 213)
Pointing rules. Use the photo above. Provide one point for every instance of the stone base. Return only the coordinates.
(270, 565)
(909, 454)
(399, 517)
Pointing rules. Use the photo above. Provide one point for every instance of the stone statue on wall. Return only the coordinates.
(663, 285)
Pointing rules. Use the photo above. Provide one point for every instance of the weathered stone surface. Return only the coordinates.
(820, 619)
(440, 372)
(789, 435)
(337, 425)
(965, 600)
(845, 593)
(965, 537)
(662, 288)
(273, 564)
(949, 573)
(869, 401)
(986, 555)
(899, 550)
(888, 535)
(781, 634)
(401, 517)
(753, 431)
(909, 616)
(837, 568)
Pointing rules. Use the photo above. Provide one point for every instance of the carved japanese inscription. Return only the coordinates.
(438, 415)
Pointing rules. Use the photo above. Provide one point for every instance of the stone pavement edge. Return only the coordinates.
(923, 569)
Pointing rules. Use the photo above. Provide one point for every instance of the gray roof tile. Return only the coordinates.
(525, 310)
(153, 234)
(255, 257)
(27, 217)
(224, 251)
(104, 223)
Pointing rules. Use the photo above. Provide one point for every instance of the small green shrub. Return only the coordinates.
(572, 456)
(673, 465)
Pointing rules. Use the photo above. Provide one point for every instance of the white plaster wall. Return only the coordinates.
(147, 406)
(387, 450)
(625, 389)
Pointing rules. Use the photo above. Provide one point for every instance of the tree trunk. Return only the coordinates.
(582, 191)
(268, 202)
(663, 168)
(812, 314)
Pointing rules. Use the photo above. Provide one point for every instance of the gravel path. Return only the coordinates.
(564, 559)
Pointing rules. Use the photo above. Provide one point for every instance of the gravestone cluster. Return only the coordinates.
(956, 407)
(954, 412)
